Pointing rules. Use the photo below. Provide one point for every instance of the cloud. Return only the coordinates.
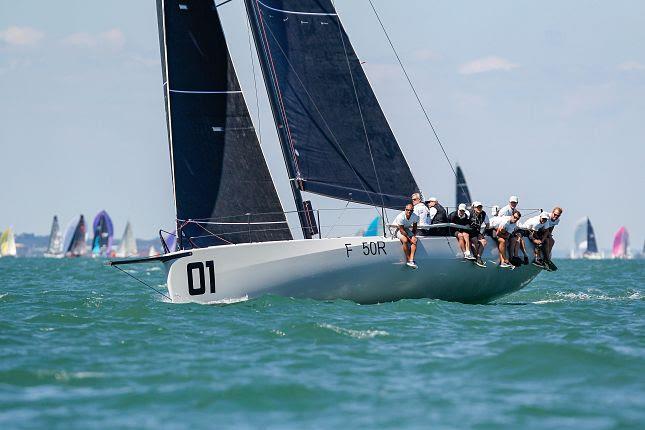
(631, 66)
(113, 39)
(21, 36)
(486, 64)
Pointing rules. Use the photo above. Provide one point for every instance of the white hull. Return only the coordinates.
(362, 269)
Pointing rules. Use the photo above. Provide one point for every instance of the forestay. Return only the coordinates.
(335, 137)
(219, 172)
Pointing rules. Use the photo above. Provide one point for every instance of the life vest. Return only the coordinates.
(441, 216)
(476, 221)
(454, 218)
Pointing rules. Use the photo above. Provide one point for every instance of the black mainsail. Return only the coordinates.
(334, 135)
(219, 171)
(463, 195)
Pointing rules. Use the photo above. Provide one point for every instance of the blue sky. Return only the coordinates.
(540, 99)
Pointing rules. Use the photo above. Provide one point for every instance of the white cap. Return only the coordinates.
(544, 215)
(462, 207)
(475, 204)
(432, 199)
(513, 199)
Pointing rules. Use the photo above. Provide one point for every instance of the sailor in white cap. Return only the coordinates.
(505, 237)
(478, 223)
(554, 219)
(461, 217)
(436, 213)
(510, 207)
(537, 228)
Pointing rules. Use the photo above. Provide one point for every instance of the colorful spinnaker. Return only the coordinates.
(7, 243)
(621, 244)
(103, 234)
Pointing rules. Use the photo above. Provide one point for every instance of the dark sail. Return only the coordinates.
(219, 171)
(463, 195)
(592, 247)
(335, 138)
(77, 245)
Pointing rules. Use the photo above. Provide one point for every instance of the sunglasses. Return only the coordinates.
(408, 210)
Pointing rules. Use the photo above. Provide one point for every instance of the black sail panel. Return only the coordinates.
(335, 137)
(219, 171)
(463, 195)
(592, 246)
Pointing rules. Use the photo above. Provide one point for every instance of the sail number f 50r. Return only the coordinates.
(199, 267)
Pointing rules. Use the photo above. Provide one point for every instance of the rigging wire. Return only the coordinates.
(360, 109)
(147, 285)
(378, 17)
(255, 82)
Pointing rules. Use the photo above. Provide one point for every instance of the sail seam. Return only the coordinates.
(297, 12)
(360, 110)
(205, 92)
(335, 140)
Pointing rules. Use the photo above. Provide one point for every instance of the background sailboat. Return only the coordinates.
(75, 237)
(128, 245)
(7, 243)
(55, 247)
(585, 241)
(621, 244)
(103, 234)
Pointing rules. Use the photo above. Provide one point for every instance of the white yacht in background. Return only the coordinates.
(7, 243)
(128, 245)
(55, 246)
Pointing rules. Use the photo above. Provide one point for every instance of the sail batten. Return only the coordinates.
(218, 167)
(335, 138)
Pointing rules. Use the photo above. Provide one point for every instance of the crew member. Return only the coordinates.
(537, 228)
(510, 207)
(436, 213)
(406, 223)
(478, 223)
(554, 219)
(505, 237)
(462, 217)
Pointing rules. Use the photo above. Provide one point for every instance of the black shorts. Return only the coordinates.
(521, 232)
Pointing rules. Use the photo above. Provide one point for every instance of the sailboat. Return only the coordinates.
(585, 241)
(128, 245)
(7, 243)
(233, 238)
(55, 247)
(621, 244)
(74, 243)
(103, 234)
(462, 192)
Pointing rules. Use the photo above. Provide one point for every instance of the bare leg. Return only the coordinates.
(404, 244)
(522, 245)
(502, 249)
(466, 242)
(413, 248)
(460, 239)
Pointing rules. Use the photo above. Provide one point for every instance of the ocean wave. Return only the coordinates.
(357, 334)
(562, 296)
(229, 301)
(2, 296)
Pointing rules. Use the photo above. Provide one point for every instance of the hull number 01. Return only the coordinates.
(197, 268)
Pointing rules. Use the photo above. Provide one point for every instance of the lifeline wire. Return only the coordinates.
(149, 286)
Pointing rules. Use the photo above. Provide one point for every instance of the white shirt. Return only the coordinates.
(534, 224)
(509, 226)
(550, 223)
(506, 211)
(497, 221)
(406, 223)
(421, 211)
(431, 213)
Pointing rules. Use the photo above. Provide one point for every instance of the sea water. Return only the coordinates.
(83, 346)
